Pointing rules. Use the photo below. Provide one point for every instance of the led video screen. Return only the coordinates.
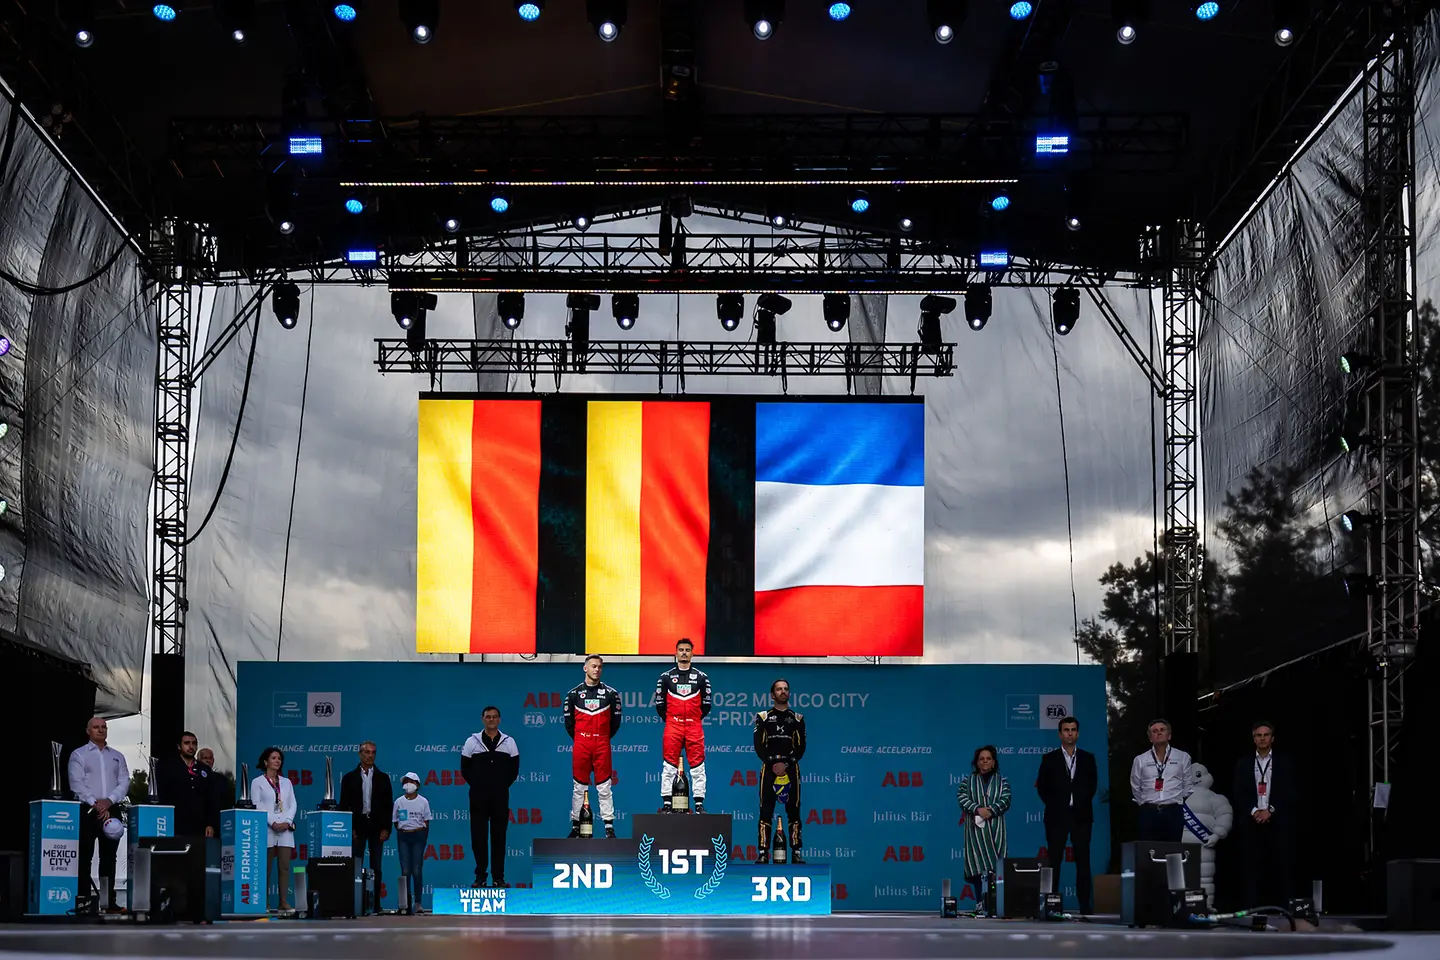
(753, 526)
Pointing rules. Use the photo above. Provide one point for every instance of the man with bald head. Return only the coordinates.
(221, 792)
(100, 779)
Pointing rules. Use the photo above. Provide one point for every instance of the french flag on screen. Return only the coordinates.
(839, 529)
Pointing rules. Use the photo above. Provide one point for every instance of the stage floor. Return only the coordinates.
(844, 937)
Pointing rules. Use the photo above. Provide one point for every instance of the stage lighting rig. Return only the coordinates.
(1065, 309)
(764, 16)
(285, 301)
(511, 307)
(730, 310)
(946, 16)
(237, 17)
(1287, 21)
(420, 17)
(626, 308)
(529, 10)
(767, 308)
(408, 307)
(577, 328)
(836, 307)
(80, 18)
(607, 17)
(932, 308)
(1128, 15)
(977, 306)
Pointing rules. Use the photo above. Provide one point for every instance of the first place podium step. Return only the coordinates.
(673, 865)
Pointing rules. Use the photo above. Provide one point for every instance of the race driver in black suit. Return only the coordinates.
(779, 743)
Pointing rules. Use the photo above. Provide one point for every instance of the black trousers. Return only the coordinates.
(767, 806)
(367, 837)
(1269, 851)
(1058, 827)
(489, 819)
(90, 832)
(1161, 823)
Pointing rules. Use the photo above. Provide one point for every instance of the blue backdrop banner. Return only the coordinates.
(887, 747)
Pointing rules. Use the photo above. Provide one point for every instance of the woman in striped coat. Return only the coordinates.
(984, 797)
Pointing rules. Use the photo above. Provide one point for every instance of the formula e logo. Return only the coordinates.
(288, 710)
(904, 779)
(60, 817)
(904, 854)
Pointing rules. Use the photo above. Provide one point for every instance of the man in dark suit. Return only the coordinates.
(222, 792)
(1267, 832)
(183, 782)
(1067, 783)
(367, 794)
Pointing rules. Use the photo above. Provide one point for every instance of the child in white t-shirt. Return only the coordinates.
(412, 818)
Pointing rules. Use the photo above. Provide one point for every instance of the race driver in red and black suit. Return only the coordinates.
(682, 698)
(592, 717)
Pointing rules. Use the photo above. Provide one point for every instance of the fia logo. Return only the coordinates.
(1054, 711)
(324, 708)
(58, 896)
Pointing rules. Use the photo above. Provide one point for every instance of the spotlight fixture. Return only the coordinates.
(1065, 309)
(451, 225)
(1351, 519)
(1356, 362)
(607, 17)
(906, 224)
(1000, 202)
(354, 205)
(1128, 15)
(345, 12)
(1072, 223)
(529, 10)
(1287, 21)
(577, 328)
(945, 17)
(836, 307)
(499, 203)
(1021, 9)
(778, 221)
(1125, 34)
(581, 222)
(767, 308)
(1206, 11)
(764, 16)
(626, 308)
(285, 301)
(166, 12)
(859, 201)
(286, 227)
(977, 306)
(839, 11)
(932, 308)
(84, 38)
(420, 18)
(511, 307)
(730, 309)
(1077, 201)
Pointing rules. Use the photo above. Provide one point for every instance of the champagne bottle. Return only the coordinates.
(778, 853)
(680, 794)
(587, 819)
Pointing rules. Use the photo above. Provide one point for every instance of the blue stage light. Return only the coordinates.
(994, 259)
(1000, 202)
(1053, 143)
(499, 204)
(1207, 10)
(163, 11)
(1021, 9)
(860, 204)
(839, 11)
(345, 12)
(303, 146)
(353, 205)
(362, 256)
(528, 11)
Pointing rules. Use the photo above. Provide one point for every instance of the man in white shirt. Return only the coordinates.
(100, 779)
(1158, 783)
(366, 793)
(1267, 832)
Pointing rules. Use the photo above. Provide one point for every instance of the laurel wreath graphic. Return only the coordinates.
(647, 874)
(722, 860)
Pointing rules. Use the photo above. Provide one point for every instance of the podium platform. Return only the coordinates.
(672, 865)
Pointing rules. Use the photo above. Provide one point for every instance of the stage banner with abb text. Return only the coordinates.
(887, 747)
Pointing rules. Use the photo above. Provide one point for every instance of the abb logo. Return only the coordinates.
(904, 854)
(904, 779)
(1044, 854)
(522, 815)
(556, 700)
(836, 817)
(300, 778)
(743, 778)
(245, 893)
(742, 852)
(444, 778)
(840, 892)
(445, 851)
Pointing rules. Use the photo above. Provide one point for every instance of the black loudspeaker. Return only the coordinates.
(330, 886)
(171, 880)
(1144, 888)
(1179, 704)
(1413, 894)
(167, 711)
(1017, 895)
(12, 885)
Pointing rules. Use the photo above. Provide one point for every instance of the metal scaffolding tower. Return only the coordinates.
(1389, 389)
(1181, 436)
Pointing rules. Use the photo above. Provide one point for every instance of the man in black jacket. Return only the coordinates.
(780, 746)
(366, 792)
(222, 795)
(490, 762)
(1267, 832)
(184, 783)
(1066, 784)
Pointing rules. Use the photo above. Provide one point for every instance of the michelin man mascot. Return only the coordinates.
(1208, 818)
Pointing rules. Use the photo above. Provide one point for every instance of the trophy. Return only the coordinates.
(55, 793)
(152, 789)
(329, 802)
(244, 802)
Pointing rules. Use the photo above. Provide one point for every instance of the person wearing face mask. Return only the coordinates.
(984, 797)
(412, 817)
(272, 792)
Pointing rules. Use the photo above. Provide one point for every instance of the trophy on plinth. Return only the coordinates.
(152, 788)
(243, 802)
(329, 802)
(55, 792)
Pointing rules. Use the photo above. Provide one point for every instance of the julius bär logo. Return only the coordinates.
(903, 779)
(904, 854)
(743, 778)
(445, 851)
(523, 815)
(826, 817)
(541, 700)
(444, 778)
